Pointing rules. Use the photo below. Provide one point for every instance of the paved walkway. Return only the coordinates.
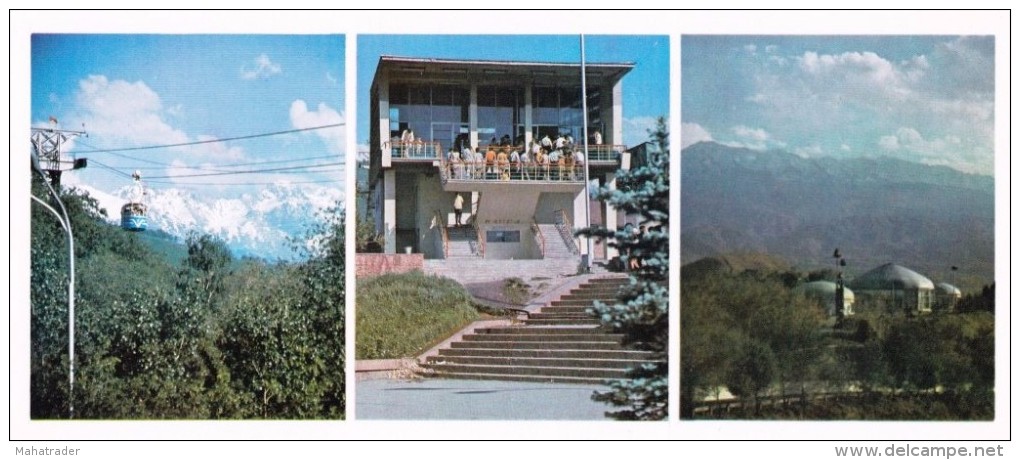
(441, 399)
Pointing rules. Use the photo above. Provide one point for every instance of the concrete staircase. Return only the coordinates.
(559, 343)
(463, 242)
(556, 246)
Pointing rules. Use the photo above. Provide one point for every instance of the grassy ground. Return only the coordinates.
(401, 315)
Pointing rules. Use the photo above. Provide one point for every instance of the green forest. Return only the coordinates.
(747, 332)
(198, 336)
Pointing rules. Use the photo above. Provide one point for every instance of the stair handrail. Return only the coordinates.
(566, 229)
(441, 223)
(538, 233)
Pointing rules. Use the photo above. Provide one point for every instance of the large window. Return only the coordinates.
(435, 113)
(557, 110)
(499, 110)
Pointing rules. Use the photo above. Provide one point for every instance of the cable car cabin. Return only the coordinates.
(132, 217)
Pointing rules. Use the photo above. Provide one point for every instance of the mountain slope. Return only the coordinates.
(875, 210)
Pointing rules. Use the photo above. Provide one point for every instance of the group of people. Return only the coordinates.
(411, 146)
(543, 159)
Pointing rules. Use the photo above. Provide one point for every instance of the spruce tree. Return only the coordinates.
(642, 309)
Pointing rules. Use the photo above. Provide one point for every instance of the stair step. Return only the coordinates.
(586, 372)
(559, 315)
(611, 338)
(556, 345)
(617, 364)
(564, 322)
(514, 378)
(552, 331)
(565, 309)
(576, 354)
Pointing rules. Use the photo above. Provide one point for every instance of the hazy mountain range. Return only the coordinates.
(875, 210)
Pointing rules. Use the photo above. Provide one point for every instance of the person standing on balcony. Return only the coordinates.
(579, 163)
(526, 165)
(406, 139)
(554, 160)
(458, 208)
(452, 164)
(503, 163)
(568, 165)
(467, 159)
(546, 143)
(597, 137)
(490, 161)
(543, 163)
(515, 163)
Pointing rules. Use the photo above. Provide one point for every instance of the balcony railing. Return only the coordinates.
(604, 152)
(538, 236)
(416, 150)
(566, 229)
(510, 172)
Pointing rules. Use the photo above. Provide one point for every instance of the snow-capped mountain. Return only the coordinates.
(258, 223)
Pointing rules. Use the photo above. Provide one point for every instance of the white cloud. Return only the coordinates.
(891, 143)
(771, 49)
(753, 134)
(945, 150)
(750, 48)
(123, 112)
(812, 151)
(845, 147)
(635, 130)
(263, 68)
(692, 133)
(301, 118)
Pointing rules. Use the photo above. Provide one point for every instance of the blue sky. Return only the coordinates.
(645, 88)
(143, 90)
(927, 99)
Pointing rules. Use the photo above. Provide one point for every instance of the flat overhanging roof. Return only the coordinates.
(477, 69)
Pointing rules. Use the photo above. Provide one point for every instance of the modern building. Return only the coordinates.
(894, 289)
(824, 293)
(422, 108)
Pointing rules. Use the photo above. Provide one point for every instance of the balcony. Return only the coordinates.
(414, 151)
(477, 176)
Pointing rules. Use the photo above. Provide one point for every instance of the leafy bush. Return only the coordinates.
(401, 315)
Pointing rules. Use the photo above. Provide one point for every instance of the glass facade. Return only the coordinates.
(440, 113)
(435, 113)
(557, 110)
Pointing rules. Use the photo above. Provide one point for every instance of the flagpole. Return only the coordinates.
(587, 158)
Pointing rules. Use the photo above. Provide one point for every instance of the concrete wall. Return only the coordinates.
(550, 203)
(527, 248)
(380, 264)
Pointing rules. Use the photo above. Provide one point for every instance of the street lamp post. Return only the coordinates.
(840, 302)
(65, 223)
(587, 158)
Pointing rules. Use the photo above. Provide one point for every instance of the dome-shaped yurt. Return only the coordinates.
(946, 297)
(892, 288)
(824, 292)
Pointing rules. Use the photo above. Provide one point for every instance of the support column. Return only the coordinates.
(473, 115)
(610, 217)
(617, 120)
(384, 120)
(527, 116)
(390, 210)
